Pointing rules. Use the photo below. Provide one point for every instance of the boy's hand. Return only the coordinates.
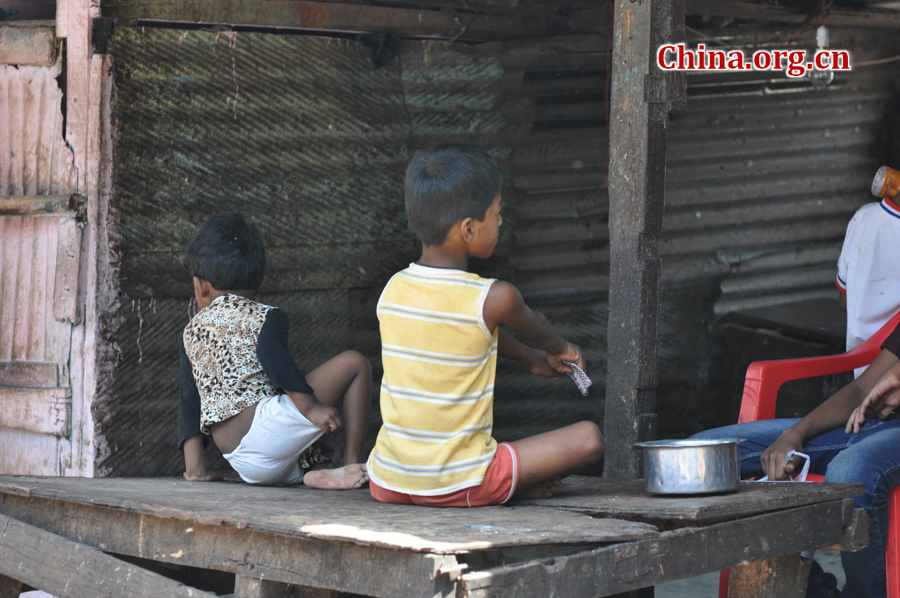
(772, 459)
(324, 416)
(572, 354)
(540, 366)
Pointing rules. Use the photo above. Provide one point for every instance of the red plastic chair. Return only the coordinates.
(761, 385)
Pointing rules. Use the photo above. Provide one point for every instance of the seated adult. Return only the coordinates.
(853, 437)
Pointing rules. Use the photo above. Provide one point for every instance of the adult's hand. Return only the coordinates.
(880, 402)
(772, 459)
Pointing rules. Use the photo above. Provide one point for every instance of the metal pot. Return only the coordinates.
(692, 466)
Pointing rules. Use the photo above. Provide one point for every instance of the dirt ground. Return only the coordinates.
(707, 586)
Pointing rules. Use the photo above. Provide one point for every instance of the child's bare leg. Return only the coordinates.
(346, 380)
(545, 458)
(342, 478)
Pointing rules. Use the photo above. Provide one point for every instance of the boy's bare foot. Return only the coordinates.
(541, 490)
(342, 478)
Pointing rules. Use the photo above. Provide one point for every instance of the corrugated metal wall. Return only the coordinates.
(303, 136)
(763, 174)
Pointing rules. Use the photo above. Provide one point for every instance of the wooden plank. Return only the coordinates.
(66, 306)
(772, 13)
(629, 499)
(248, 587)
(23, 374)
(28, 45)
(43, 205)
(62, 18)
(782, 577)
(549, 51)
(44, 410)
(308, 513)
(332, 16)
(529, 8)
(9, 587)
(226, 545)
(68, 569)
(673, 555)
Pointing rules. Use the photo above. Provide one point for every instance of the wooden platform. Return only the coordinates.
(596, 537)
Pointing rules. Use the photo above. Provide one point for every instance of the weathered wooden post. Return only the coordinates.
(641, 97)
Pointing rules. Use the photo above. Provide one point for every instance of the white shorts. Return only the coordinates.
(279, 433)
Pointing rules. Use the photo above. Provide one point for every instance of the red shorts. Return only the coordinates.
(498, 486)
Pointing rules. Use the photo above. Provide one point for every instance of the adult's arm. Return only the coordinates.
(832, 413)
(884, 397)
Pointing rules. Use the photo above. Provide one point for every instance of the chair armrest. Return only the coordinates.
(764, 378)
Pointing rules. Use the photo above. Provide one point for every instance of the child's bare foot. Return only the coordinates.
(541, 490)
(342, 478)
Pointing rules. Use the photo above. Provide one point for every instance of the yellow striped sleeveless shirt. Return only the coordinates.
(437, 394)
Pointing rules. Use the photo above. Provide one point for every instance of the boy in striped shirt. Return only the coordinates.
(440, 340)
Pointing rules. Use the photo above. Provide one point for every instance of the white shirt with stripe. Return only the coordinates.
(437, 394)
(869, 270)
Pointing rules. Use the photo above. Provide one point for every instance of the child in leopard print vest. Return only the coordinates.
(240, 385)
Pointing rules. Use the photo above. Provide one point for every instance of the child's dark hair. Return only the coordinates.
(227, 253)
(447, 183)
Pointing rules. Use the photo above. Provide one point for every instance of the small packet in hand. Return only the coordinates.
(579, 377)
(797, 476)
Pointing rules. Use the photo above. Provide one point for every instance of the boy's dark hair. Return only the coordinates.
(227, 253)
(447, 183)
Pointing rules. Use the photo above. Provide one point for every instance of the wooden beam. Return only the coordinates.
(66, 304)
(674, 555)
(329, 565)
(29, 374)
(9, 587)
(331, 16)
(30, 45)
(794, 14)
(782, 577)
(42, 410)
(638, 136)
(69, 569)
(42, 205)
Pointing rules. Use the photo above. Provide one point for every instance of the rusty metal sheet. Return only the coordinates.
(304, 136)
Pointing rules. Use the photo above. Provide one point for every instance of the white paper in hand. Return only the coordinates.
(579, 377)
(797, 476)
